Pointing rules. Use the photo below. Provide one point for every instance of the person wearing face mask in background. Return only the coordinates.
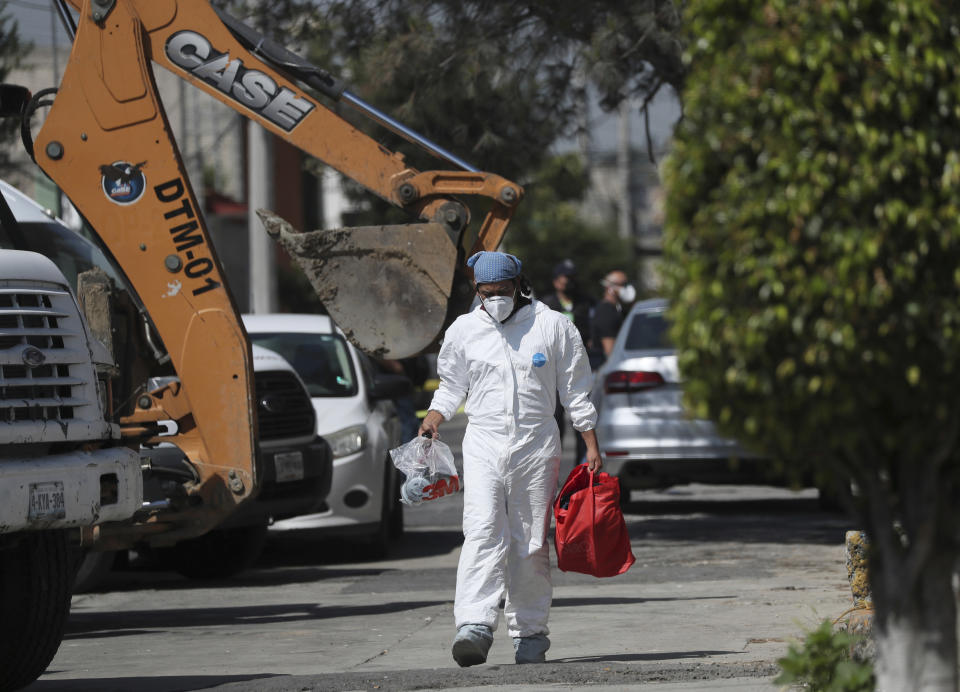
(509, 358)
(608, 315)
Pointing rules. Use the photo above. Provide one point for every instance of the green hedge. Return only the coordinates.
(813, 236)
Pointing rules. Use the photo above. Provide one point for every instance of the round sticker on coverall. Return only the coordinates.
(539, 360)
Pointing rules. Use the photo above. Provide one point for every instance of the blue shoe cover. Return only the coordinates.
(532, 649)
(471, 645)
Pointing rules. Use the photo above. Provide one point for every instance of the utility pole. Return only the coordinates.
(263, 270)
(624, 173)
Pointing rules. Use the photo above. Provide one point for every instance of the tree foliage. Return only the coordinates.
(548, 228)
(813, 233)
(813, 250)
(497, 83)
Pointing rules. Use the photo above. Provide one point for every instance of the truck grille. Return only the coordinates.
(283, 406)
(41, 338)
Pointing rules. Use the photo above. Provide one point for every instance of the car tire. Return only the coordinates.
(93, 569)
(378, 543)
(36, 576)
(828, 498)
(396, 519)
(218, 554)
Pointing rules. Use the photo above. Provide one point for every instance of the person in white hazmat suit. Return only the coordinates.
(509, 357)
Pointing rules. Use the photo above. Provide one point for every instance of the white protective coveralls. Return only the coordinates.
(510, 374)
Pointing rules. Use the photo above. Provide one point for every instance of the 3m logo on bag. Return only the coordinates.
(442, 487)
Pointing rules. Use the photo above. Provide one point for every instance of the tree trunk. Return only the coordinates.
(916, 629)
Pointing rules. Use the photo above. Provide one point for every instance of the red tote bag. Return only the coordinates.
(591, 535)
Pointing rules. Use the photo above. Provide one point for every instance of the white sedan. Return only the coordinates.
(355, 415)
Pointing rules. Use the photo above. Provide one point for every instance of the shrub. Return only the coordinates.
(812, 260)
(823, 663)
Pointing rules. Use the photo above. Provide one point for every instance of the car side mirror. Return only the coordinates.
(386, 386)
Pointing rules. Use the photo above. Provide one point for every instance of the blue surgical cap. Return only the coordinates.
(490, 267)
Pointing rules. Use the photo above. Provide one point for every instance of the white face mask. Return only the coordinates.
(627, 294)
(498, 307)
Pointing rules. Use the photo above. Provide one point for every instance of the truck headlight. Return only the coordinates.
(347, 441)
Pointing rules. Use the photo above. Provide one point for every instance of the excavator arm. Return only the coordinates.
(107, 144)
(404, 275)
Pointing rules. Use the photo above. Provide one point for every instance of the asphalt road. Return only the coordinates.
(724, 578)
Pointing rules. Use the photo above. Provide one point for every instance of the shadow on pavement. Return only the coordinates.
(599, 601)
(657, 656)
(82, 625)
(151, 576)
(676, 502)
(173, 683)
(313, 547)
(290, 557)
(754, 521)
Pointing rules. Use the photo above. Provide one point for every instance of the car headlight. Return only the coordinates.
(347, 441)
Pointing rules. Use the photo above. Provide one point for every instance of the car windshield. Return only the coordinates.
(71, 253)
(648, 332)
(322, 360)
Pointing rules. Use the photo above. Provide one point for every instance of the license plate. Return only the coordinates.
(289, 466)
(47, 501)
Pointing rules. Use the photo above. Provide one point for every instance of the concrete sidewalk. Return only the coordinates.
(642, 629)
(711, 603)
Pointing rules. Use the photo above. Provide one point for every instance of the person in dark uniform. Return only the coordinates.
(566, 298)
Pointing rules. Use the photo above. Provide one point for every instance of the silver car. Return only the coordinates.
(646, 437)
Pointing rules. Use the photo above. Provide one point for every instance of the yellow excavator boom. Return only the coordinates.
(107, 144)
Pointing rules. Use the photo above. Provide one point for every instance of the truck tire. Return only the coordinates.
(36, 576)
(218, 554)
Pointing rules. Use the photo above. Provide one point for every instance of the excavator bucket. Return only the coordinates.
(386, 287)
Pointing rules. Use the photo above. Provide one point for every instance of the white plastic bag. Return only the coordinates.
(429, 468)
